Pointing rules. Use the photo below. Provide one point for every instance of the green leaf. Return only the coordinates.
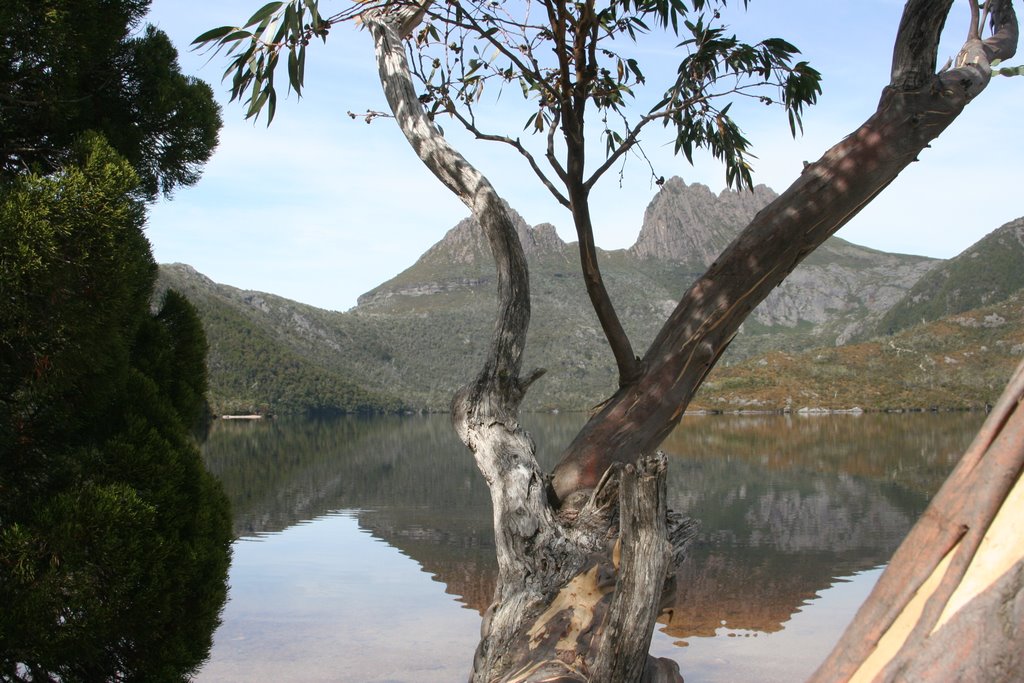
(271, 105)
(213, 34)
(257, 105)
(293, 72)
(263, 12)
(235, 36)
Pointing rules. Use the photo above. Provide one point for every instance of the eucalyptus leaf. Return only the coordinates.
(263, 13)
(212, 34)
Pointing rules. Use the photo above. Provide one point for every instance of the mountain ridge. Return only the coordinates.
(422, 333)
(838, 293)
(988, 271)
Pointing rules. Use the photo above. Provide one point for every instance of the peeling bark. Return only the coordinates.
(952, 598)
(557, 573)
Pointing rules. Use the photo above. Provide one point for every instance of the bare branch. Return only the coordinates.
(917, 42)
(497, 386)
(474, 25)
(550, 154)
(518, 146)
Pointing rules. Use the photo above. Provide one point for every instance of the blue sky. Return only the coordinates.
(321, 208)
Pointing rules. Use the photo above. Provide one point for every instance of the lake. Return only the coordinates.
(365, 551)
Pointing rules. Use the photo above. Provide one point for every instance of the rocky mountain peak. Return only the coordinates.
(186, 273)
(462, 260)
(541, 240)
(466, 243)
(689, 224)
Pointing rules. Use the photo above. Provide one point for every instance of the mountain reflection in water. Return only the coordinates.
(788, 507)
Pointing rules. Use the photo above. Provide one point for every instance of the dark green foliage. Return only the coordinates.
(74, 283)
(171, 348)
(67, 66)
(114, 540)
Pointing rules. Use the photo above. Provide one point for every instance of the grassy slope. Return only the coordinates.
(958, 362)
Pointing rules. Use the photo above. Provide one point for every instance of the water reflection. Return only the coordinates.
(787, 504)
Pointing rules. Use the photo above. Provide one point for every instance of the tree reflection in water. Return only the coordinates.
(788, 505)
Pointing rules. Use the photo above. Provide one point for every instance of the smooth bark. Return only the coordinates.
(950, 605)
(913, 111)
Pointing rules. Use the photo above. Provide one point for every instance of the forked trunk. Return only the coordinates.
(914, 109)
(583, 564)
(577, 596)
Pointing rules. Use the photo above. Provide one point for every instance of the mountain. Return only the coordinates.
(413, 340)
(839, 292)
(986, 272)
(269, 354)
(690, 225)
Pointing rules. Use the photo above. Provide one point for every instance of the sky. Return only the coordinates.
(320, 207)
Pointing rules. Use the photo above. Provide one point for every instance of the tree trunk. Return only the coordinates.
(574, 596)
(580, 582)
(914, 109)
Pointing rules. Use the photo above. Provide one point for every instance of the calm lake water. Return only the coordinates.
(365, 551)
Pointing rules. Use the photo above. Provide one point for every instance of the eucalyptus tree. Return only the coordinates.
(585, 553)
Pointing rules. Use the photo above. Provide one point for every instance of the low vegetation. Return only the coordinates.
(959, 362)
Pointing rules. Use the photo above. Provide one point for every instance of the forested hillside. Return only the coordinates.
(271, 355)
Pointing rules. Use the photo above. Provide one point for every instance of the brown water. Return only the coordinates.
(365, 550)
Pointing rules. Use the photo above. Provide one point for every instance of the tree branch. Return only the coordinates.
(550, 154)
(917, 42)
(518, 146)
(829, 192)
(628, 364)
(476, 28)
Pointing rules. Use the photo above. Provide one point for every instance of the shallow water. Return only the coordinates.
(365, 551)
